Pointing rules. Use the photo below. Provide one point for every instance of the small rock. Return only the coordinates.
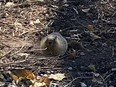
(83, 84)
(2, 84)
(48, 71)
(37, 21)
(82, 53)
(70, 68)
(111, 86)
(86, 10)
(9, 4)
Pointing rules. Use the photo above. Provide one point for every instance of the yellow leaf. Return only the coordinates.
(19, 74)
(58, 76)
(45, 80)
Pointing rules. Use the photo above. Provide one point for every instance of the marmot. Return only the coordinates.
(53, 44)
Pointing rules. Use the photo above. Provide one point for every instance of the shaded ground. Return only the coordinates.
(25, 23)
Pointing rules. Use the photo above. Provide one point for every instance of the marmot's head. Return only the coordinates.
(51, 41)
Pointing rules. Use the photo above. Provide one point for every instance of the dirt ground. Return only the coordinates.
(88, 25)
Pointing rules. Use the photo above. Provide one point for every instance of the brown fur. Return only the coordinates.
(54, 44)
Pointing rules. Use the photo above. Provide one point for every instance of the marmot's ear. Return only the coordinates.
(55, 37)
(47, 39)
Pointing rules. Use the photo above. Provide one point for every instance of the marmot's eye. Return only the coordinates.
(50, 43)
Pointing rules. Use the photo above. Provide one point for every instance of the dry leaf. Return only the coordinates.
(45, 80)
(12, 85)
(1, 54)
(37, 21)
(31, 22)
(41, 82)
(19, 74)
(92, 67)
(1, 76)
(23, 54)
(72, 53)
(18, 25)
(90, 28)
(93, 36)
(38, 84)
(35, 0)
(41, 0)
(58, 76)
(2, 84)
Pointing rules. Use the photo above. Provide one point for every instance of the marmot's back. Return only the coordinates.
(54, 44)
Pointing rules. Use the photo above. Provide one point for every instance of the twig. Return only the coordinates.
(76, 11)
(10, 63)
(108, 76)
(7, 53)
(18, 50)
(113, 53)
